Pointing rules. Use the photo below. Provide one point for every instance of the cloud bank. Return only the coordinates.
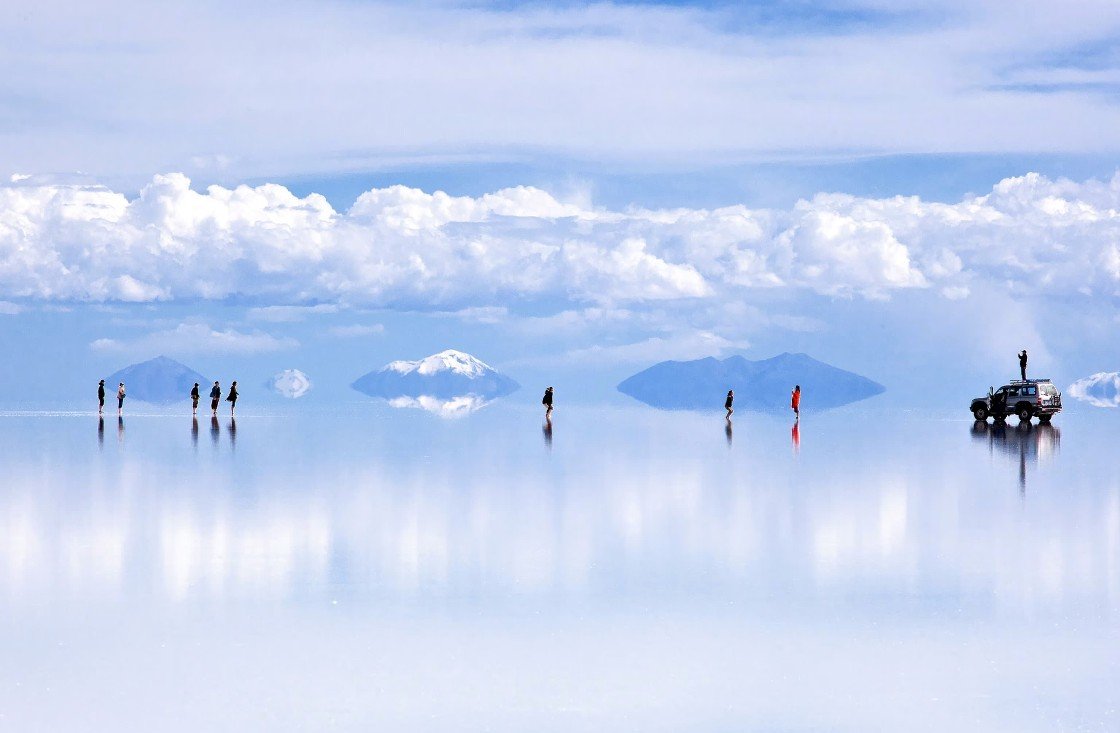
(402, 247)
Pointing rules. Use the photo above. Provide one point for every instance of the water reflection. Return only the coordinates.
(120, 429)
(728, 431)
(194, 432)
(100, 432)
(1025, 443)
(233, 433)
(215, 430)
(795, 436)
(457, 406)
(547, 430)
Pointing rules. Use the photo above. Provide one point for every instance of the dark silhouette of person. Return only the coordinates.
(232, 397)
(728, 402)
(727, 430)
(120, 398)
(214, 430)
(194, 431)
(547, 401)
(547, 430)
(795, 400)
(233, 431)
(100, 432)
(120, 429)
(101, 397)
(215, 397)
(194, 399)
(1023, 364)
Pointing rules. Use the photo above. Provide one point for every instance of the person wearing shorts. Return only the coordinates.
(215, 397)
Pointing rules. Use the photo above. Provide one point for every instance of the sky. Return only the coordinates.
(570, 191)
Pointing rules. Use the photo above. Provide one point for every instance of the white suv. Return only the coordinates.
(1023, 398)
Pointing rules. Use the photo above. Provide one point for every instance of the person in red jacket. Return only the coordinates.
(795, 400)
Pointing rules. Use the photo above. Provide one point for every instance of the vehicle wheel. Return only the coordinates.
(1024, 414)
(980, 413)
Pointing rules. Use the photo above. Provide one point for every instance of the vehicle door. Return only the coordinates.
(1008, 395)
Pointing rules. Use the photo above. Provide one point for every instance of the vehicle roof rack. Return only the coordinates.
(1029, 381)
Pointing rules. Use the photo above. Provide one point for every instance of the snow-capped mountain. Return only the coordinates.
(449, 360)
(447, 375)
(1099, 390)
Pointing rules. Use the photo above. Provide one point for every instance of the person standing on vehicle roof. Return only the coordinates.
(1023, 364)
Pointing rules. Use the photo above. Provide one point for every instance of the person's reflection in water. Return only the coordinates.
(795, 436)
(100, 432)
(547, 429)
(727, 430)
(194, 432)
(233, 433)
(120, 429)
(214, 430)
(1025, 443)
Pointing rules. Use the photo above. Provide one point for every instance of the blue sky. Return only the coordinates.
(625, 183)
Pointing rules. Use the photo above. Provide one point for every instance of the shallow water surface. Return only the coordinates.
(624, 569)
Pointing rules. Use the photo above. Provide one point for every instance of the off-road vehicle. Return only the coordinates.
(1023, 398)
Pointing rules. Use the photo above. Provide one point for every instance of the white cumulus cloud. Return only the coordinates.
(401, 247)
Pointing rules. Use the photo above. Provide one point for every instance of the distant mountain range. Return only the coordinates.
(763, 385)
(448, 375)
(160, 381)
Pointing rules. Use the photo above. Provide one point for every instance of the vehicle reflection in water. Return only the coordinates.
(1025, 442)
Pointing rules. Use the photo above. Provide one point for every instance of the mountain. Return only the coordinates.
(1099, 390)
(444, 376)
(160, 381)
(759, 385)
(290, 383)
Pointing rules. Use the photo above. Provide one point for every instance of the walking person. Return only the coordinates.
(728, 402)
(101, 397)
(795, 401)
(547, 402)
(1023, 364)
(194, 399)
(120, 398)
(215, 397)
(232, 398)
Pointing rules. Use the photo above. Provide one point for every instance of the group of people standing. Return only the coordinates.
(215, 398)
(794, 402)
